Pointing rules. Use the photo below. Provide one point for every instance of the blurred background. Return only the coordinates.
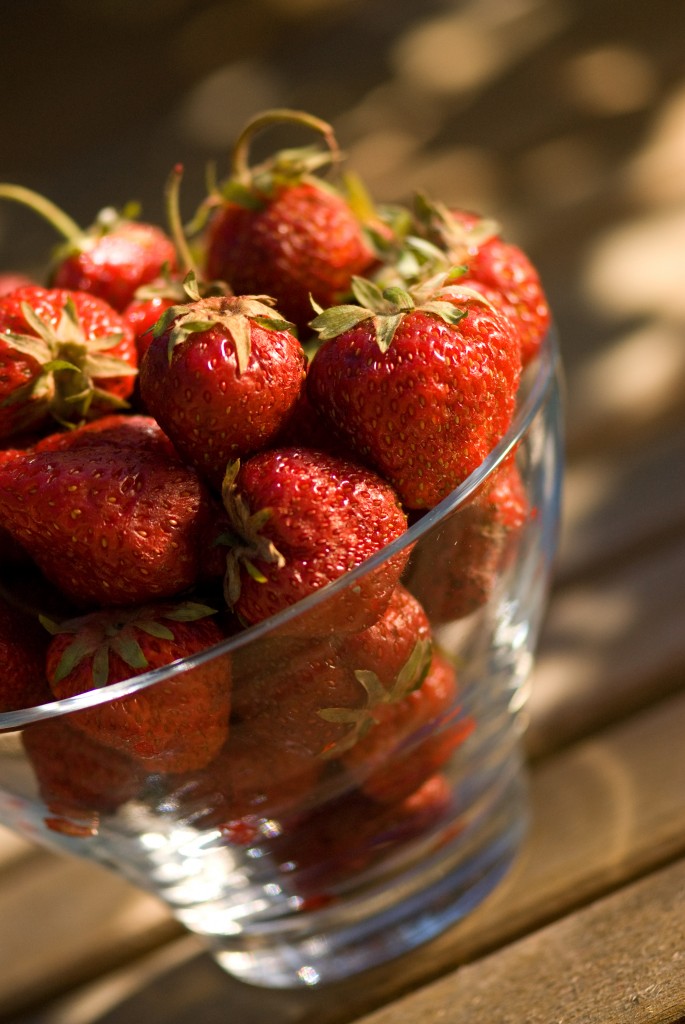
(563, 119)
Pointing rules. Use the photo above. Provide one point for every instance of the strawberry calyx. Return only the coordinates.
(409, 678)
(98, 634)
(253, 186)
(234, 313)
(386, 308)
(286, 165)
(245, 541)
(69, 363)
(457, 237)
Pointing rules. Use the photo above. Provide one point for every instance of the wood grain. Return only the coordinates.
(619, 961)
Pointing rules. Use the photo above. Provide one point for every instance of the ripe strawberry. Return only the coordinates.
(423, 393)
(9, 282)
(499, 270)
(281, 698)
(23, 643)
(65, 355)
(174, 726)
(120, 430)
(301, 518)
(411, 738)
(253, 778)
(346, 837)
(141, 315)
(278, 230)
(110, 259)
(108, 525)
(468, 552)
(221, 376)
(320, 696)
(77, 777)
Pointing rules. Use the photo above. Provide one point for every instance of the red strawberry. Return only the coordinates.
(411, 739)
(9, 282)
(455, 569)
(174, 726)
(423, 393)
(320, 696)
(114, 264)
(141, 315)
(301, 518)
(280, 697)
(77, 776)
(108, 525)
(252, 779)
(498, 269)
(111, 259)
(118, 429)
(62, 354)
(23, 643)
(329, 850)
(222, 376)
(279, 230)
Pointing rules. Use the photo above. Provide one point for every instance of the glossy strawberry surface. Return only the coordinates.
(213, 408)
(302, 241)
(115, 264)
(428, 410)
(177, 726)
(79, 326)
(326, 515)
(113, 526)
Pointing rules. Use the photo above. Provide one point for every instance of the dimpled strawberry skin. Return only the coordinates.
(426, 412)
(304, 241)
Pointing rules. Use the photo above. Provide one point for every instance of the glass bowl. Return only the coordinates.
(328, 835)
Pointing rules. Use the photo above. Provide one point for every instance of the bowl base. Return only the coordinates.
(391, 919)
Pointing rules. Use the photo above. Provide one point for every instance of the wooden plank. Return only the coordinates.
(617, 507)
(620, 961)
(13, 848)
(64, 921)
(610, 645)
(605, 812)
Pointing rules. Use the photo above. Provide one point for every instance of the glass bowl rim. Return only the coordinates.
(545, 366)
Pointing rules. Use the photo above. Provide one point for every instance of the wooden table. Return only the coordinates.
(589, 926)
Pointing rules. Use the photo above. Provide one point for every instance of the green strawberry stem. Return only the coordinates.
(173, 212)
(60, 220)
(240, 166)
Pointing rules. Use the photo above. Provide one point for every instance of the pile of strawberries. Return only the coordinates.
(199, 427)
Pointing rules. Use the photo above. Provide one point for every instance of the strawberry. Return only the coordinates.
(111, 259)
(221, 376)
(175, 726)
(141, 315)
(498, 269)
(299, 519)
(78, 777)
(320, 696)
(421, 392)
(108, 525)
(329, 850)
(411, 739)
(63, 354)
(10, 281)
(278, 230)
(282, 696)
(468, 551)
(23, 643)
(118, 429)
(252, 779)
